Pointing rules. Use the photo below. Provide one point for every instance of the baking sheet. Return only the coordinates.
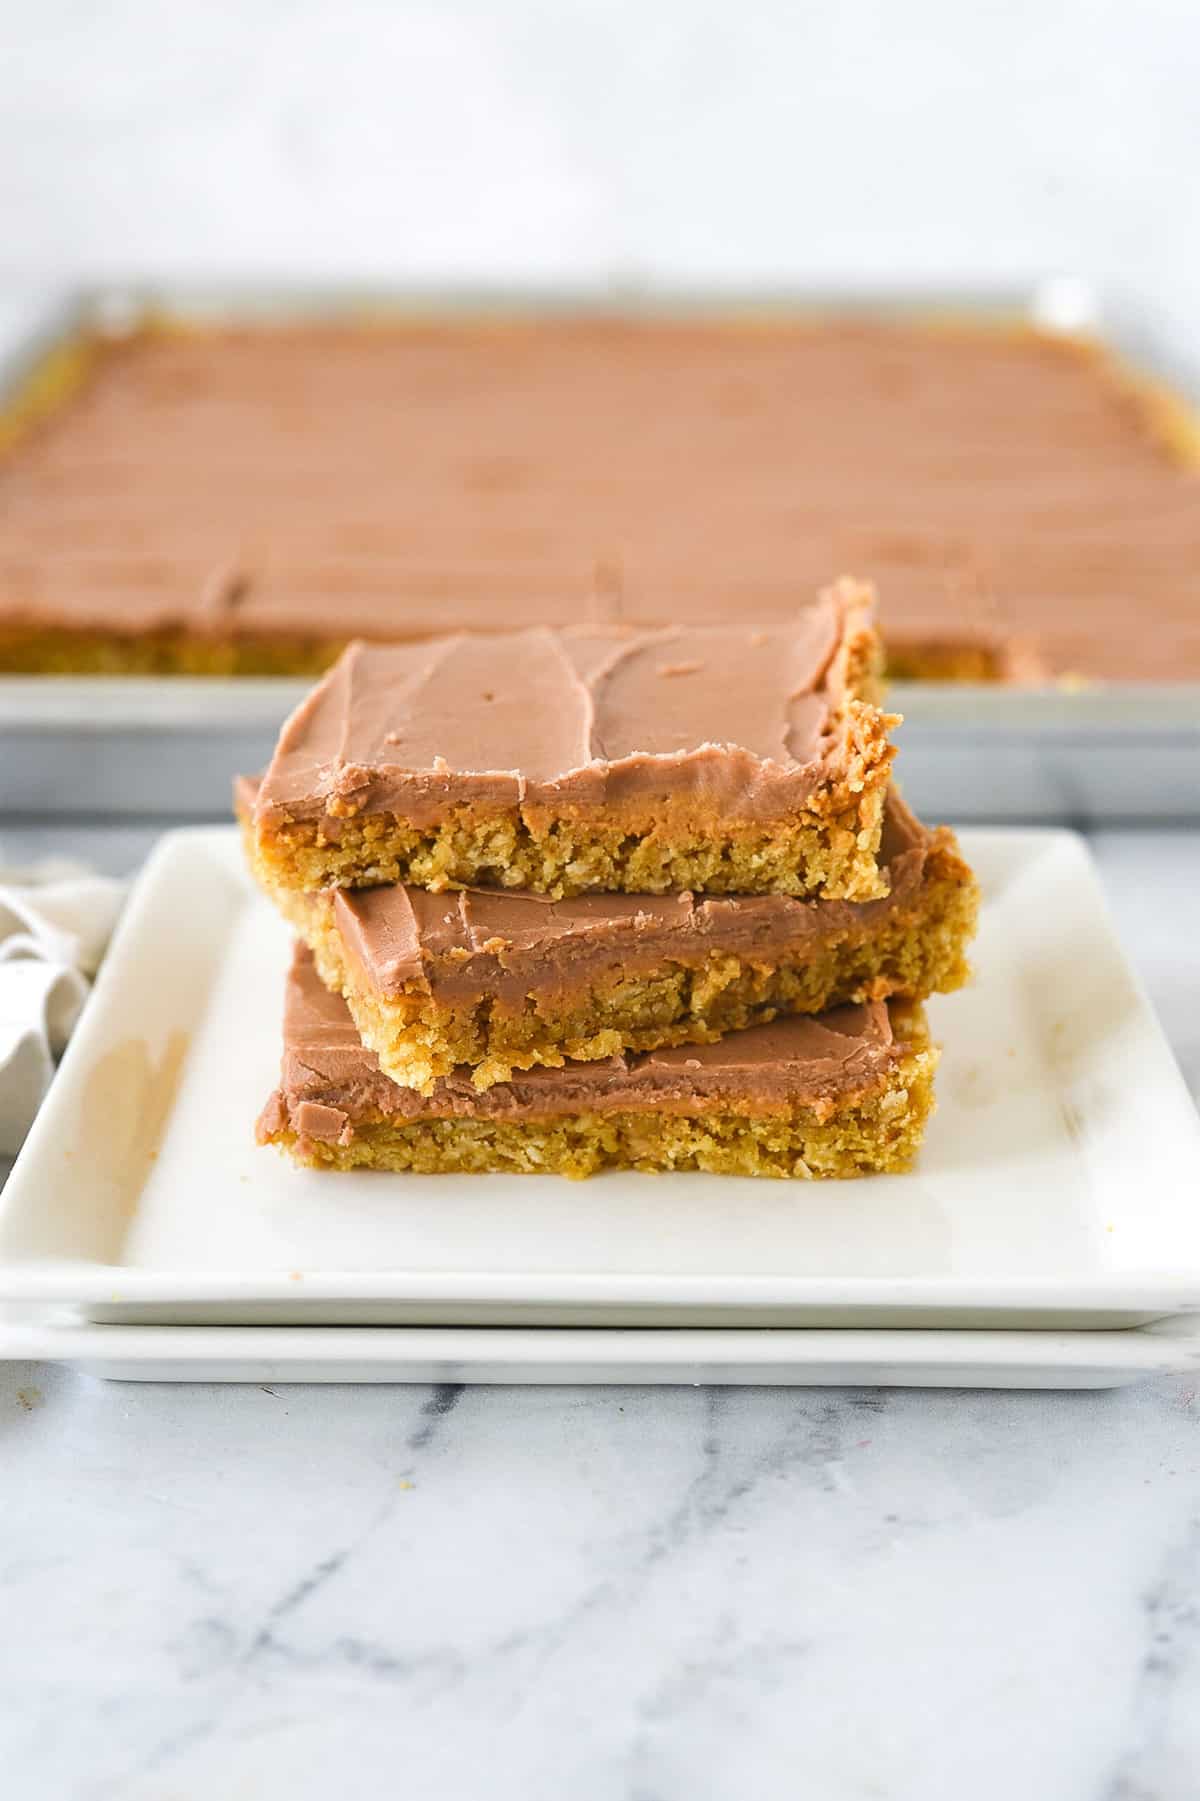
(169, 746)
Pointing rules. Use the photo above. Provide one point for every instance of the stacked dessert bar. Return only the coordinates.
(591, 898)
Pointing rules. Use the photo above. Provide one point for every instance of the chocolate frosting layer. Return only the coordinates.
(746, 721)
(422, 477)
(509, 944)
(329, 1082)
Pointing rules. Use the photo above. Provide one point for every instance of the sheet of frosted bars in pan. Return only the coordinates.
(244, 499)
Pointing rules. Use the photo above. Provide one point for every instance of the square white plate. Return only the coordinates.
(723, 1357)
(1057, 1187)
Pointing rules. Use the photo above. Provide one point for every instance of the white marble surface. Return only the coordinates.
(657, 1595)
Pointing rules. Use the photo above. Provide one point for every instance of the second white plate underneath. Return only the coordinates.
(1057, 1187)
(579, 1355)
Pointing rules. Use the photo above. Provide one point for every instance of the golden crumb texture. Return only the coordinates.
(876, 1133)
(914, 954)
(813, 853)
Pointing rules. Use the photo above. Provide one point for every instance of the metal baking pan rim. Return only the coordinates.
(1059, 305)
(976, 709)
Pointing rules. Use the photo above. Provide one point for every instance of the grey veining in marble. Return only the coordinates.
(611, 1595)
(606, 1595)
(639, 1594)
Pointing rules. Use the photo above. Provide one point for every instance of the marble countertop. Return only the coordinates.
(642, 1595)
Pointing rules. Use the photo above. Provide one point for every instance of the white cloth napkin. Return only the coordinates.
(55, 921)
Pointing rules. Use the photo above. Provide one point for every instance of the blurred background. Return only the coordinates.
(605, 142)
